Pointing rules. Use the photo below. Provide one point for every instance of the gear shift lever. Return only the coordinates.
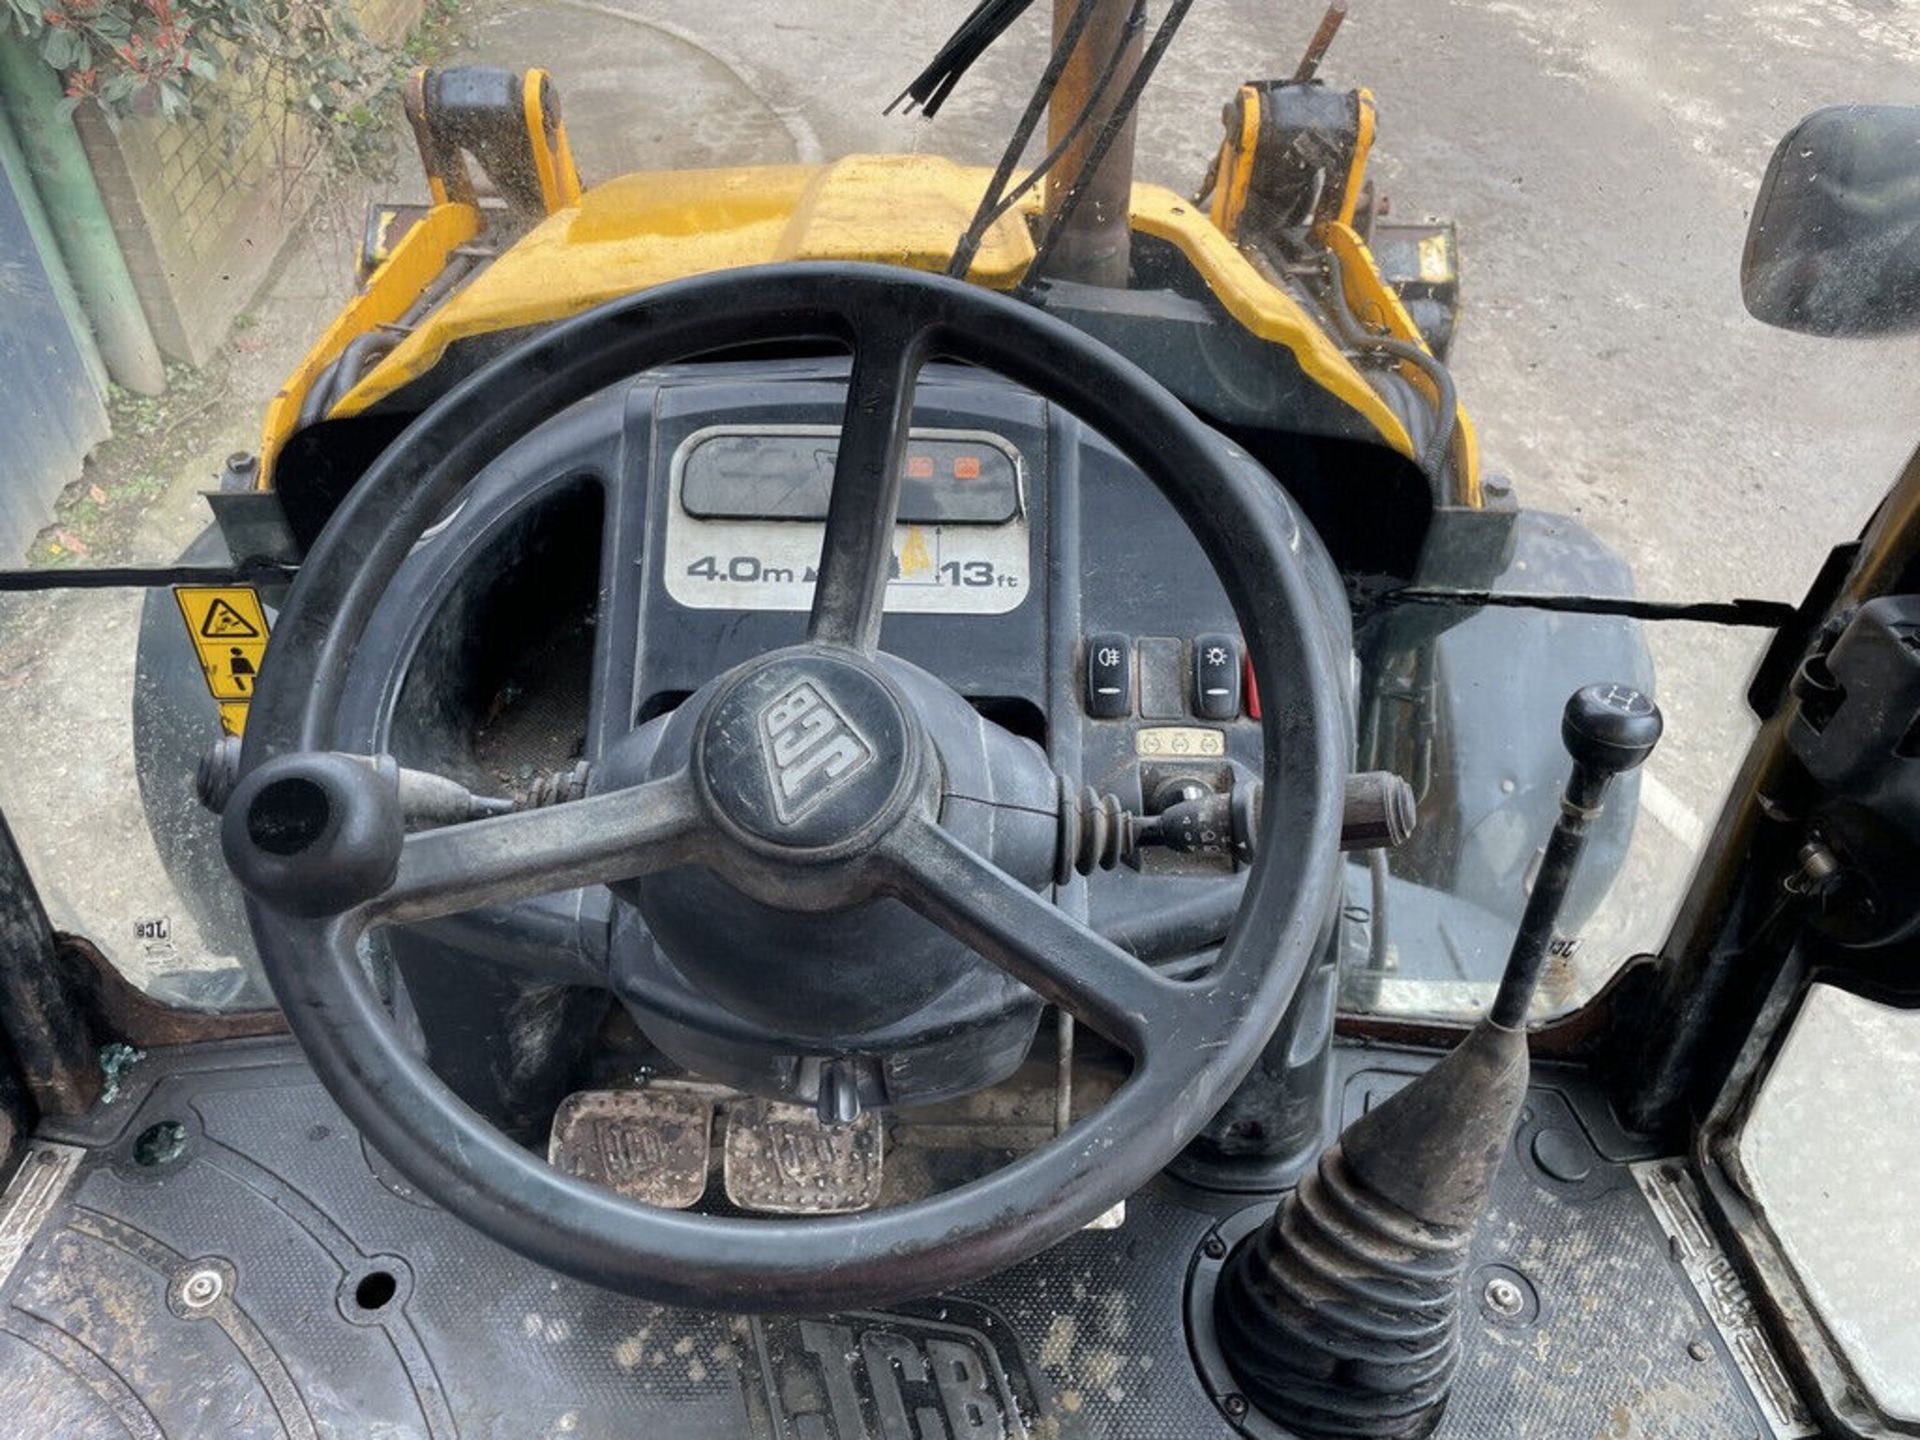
(1609, 730)
(1340, 1316)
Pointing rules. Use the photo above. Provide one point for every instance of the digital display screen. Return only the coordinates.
(948, 479)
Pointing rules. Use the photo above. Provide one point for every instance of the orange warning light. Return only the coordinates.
(966, 467)
(919, 467)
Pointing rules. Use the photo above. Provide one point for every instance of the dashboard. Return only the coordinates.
(1034, 570)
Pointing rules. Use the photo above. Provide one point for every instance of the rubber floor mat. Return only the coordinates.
(217, 1254)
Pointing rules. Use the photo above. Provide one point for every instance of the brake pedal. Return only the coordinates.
(780, 1160)
(653, 1145)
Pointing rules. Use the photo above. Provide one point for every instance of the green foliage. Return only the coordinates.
(321, 81)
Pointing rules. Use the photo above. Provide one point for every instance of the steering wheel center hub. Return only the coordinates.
(808, 750)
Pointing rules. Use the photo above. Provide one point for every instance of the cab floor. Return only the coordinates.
(275, 1279)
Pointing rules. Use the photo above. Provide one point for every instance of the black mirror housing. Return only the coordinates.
(1833, 247)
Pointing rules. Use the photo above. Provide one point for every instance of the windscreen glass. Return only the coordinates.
(229, 276)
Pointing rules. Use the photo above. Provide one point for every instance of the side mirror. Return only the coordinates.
(1834, 244)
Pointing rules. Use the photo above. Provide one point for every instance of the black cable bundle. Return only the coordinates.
(1103, 140)
(930, 88)
(997, 201)
(989, 20)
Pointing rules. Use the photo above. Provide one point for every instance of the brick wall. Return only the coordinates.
(201, 225)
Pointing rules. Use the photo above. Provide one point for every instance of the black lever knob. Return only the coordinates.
(315, 832)
(1608, 730)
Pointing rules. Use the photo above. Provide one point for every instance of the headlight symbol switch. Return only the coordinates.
(1216, 677)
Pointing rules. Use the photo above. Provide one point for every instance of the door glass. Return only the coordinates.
(1829, 1154)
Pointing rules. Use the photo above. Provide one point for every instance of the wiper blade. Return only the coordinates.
(989, 20)
(1760, 614)
(143, 577)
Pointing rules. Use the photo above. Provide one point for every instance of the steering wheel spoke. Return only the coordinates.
(1037, 942)
(595, 841)
(856, 550)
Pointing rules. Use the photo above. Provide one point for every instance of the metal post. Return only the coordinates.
(65, 181)
(1095, 246)
(42, 1026)
(1322, 42)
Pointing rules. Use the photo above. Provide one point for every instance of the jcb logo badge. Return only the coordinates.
(811, 749)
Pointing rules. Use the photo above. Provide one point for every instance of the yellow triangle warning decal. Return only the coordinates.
(223, 622)
(228, 628)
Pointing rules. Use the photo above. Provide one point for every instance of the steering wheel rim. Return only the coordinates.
(1251, 537)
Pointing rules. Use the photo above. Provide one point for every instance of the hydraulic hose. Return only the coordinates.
(1433, 458)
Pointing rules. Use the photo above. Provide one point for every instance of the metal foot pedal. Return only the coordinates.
(780, 1160)
(651, 1145)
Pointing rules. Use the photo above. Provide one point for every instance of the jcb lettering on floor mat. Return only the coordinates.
(887, 1377)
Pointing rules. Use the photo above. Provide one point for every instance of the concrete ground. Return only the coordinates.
(1600, 157)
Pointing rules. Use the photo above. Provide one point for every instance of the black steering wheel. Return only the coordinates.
(318, 840)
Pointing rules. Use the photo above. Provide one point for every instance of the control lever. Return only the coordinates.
(1189, 817)
(1368, 1347)
(426, 799)
(1608, 730)
(1194, 820)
